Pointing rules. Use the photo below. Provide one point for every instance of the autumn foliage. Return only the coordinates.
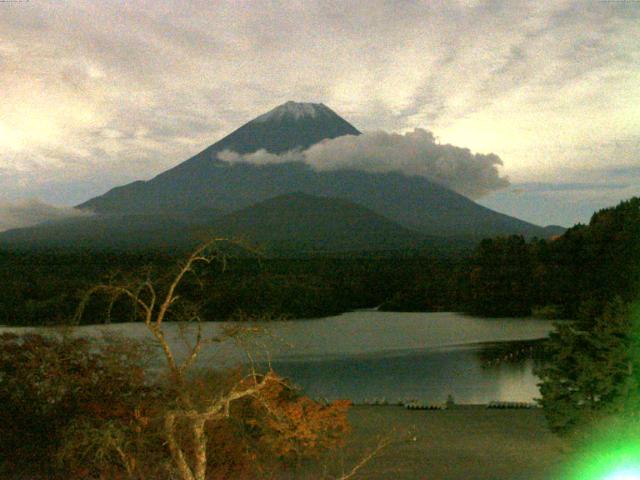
(46, 383)
(298, 426)
(74, 408)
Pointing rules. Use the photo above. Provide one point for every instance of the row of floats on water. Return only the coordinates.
(449, 404)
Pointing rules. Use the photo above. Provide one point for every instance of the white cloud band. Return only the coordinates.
(412, 153)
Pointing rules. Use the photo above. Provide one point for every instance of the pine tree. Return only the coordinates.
(592, 371)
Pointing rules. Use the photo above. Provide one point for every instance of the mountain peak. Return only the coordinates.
(290, 126)
(295, 110)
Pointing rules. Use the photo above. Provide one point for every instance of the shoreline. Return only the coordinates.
(471, 441)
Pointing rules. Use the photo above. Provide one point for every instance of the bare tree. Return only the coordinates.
(153, 307)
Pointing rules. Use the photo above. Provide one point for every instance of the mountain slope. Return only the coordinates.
(298, 221)
(294, 222)
(204, 181)
(112, 231)
(287, 127)
(414, 202)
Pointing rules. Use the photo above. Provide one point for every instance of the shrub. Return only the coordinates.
(84, 409)
(47, 382)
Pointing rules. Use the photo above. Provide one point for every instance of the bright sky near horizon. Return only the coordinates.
(97, 94)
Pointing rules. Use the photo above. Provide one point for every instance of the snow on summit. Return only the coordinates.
(293, 110)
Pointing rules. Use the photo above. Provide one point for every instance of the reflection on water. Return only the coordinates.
(369, 354)
(427, 375)
(516, 352)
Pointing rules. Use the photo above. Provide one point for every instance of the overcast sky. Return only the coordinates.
(99, 93)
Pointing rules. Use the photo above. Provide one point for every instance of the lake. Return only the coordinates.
(367, 354)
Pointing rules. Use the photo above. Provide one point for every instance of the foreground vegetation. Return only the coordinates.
(593, 371)
(77, 409)
(87, 409)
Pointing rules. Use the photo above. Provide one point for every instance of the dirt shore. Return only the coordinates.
(464, 443)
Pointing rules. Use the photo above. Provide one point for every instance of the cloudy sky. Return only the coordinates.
(96, 94)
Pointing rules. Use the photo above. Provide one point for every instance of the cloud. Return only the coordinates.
(624, 172)
(412, 153)
(557, 204)
(569, 186)
(102, 93)
(31, 212)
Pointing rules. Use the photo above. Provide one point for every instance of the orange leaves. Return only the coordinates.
(296, 426)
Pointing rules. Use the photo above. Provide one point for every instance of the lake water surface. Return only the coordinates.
(365, 355)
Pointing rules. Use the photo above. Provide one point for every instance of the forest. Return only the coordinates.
(44, 288)
(572, 275)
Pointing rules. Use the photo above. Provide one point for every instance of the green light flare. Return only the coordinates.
(625, 473)
(607, 460)
(613, 449)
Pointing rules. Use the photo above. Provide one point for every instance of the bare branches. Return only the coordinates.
(144, 296)
(189, 412)
(194, 350)
(198, 256)
(153, 306)
(114, 291)
(176, 452)
(217, 409)
(383, 443)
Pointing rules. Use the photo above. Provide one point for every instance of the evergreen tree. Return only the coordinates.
(500, 279)
(593, 371)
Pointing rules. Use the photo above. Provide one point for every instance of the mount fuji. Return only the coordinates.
(205, 191)
(205, 181)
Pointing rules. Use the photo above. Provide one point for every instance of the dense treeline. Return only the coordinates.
(574, 275)
(571, 276)
(45, 288)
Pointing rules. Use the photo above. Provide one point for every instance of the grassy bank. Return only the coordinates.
(467, 442)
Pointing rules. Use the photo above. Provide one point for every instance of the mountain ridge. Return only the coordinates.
(277, 131)
(205, 182)
(294, 222)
